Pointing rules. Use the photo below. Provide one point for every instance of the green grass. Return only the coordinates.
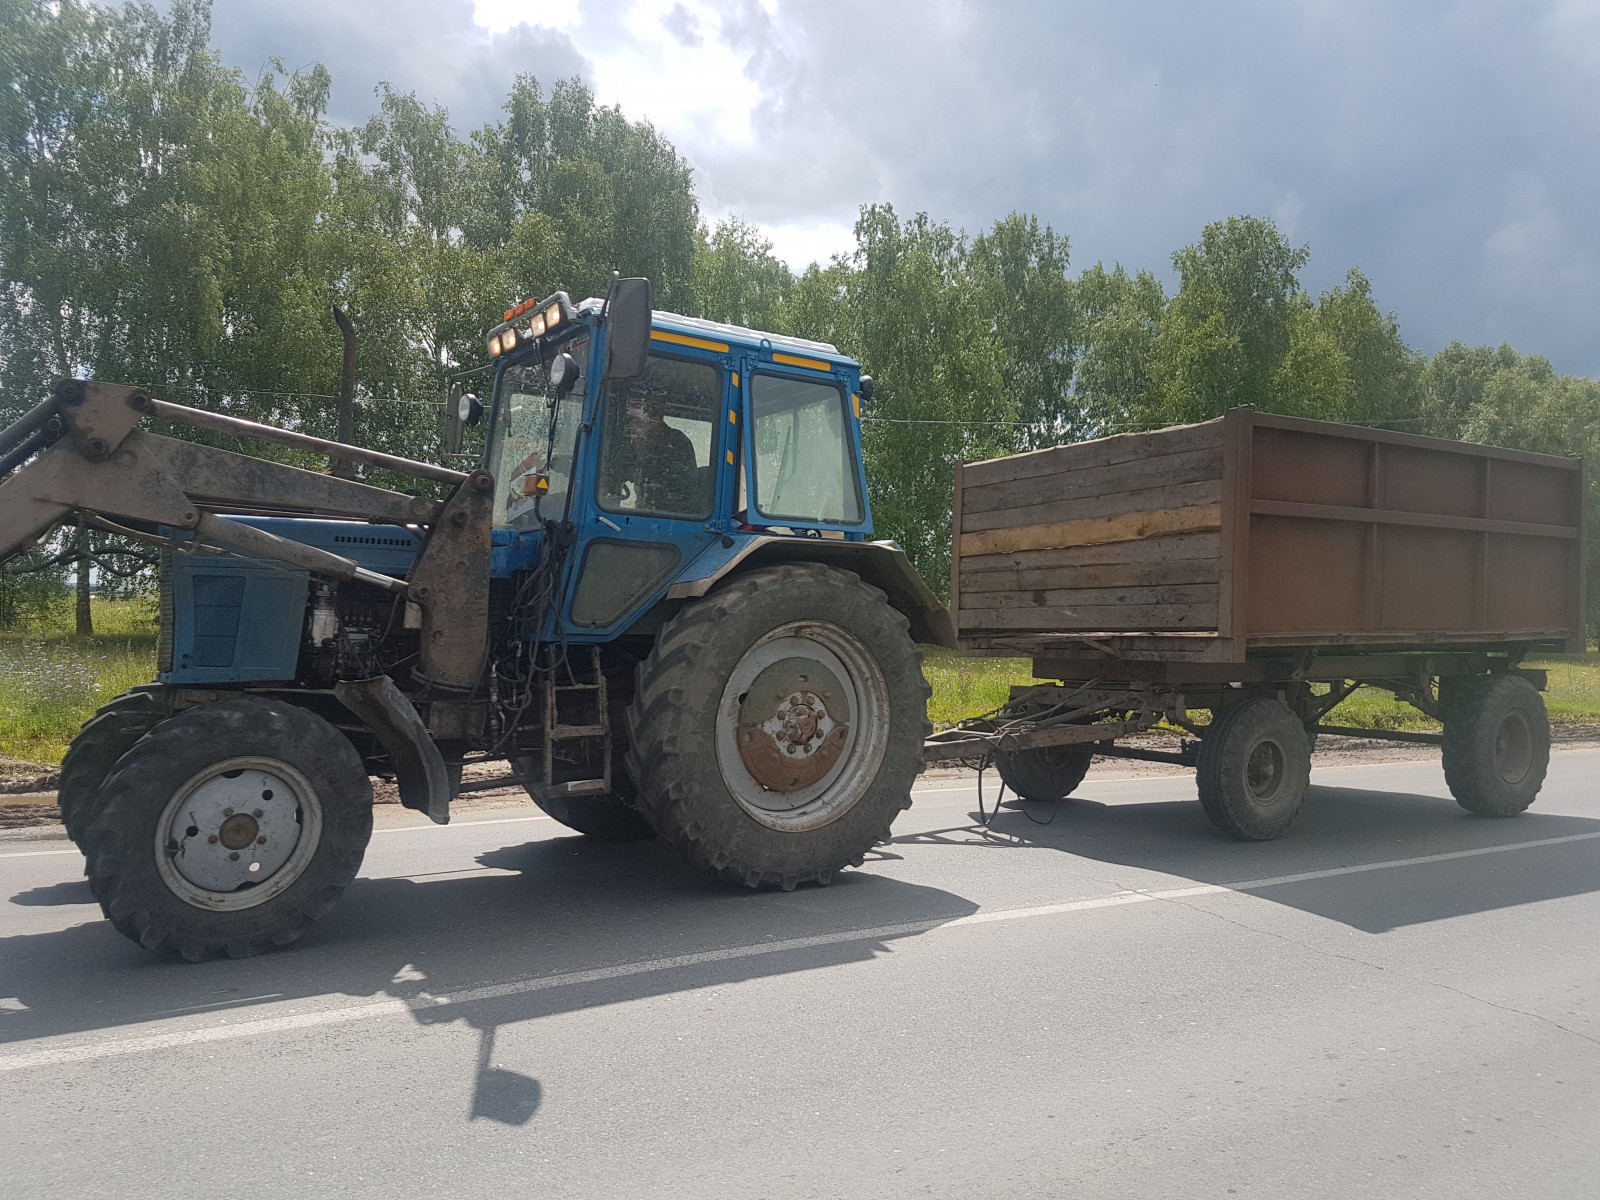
(51, 681)
(968, 687)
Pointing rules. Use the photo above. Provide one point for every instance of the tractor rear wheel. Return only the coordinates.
(778, 724)
(229, 829)
(104, 738)
(608, 817)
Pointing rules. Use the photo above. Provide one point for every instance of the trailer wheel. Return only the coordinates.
(1044, 773)
(778, 724)
(230, 828)
(1496, 745)
(1254, 768)
(104, 738)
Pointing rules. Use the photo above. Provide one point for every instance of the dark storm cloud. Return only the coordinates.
(1448, 149)
(431, 47)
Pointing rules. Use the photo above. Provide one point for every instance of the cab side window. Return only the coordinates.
(657, 441)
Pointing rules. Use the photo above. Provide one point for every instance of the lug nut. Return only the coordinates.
(234, 857)
(261, 841)
(256, 813)
(212, 839)
(227, 812)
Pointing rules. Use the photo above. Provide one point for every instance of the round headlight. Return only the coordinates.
(536, 326)
(494, 346)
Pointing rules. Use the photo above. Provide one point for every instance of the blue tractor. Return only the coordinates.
(657, 601)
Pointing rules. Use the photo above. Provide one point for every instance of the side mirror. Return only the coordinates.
(864, 388)
(563, 374)
(628, 311)
(452, 422)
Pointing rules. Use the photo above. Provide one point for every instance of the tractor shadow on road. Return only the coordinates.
(614, 921)
(1337, 828)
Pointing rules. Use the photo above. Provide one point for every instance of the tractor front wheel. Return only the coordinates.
(229, 829)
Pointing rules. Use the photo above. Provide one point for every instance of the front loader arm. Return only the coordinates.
(82, 453)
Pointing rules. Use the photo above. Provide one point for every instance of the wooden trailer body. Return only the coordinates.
(1252, 539)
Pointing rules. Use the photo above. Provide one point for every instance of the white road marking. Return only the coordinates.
(120, 1045)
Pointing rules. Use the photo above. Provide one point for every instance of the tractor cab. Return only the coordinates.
(656, 463)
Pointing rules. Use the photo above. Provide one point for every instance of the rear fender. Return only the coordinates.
(882, 564)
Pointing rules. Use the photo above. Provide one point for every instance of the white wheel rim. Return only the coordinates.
(865, 716)
(238, 833)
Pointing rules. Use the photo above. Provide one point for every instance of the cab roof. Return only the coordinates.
(733, 333)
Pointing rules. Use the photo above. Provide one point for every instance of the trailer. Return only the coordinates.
(1260, 569)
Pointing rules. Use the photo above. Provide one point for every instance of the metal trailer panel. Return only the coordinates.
(1257, 535)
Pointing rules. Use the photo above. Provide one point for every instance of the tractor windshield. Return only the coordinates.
(534, 432)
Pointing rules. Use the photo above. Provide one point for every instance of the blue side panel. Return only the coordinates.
(234, 620)
(239, 619)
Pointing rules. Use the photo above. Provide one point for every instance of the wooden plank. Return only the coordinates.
(1187, 595)
(1412, 520)
(955, 553)
(1170, 548)
(1183, 495)
(1123, 447)
(1112, 647)
(1122, 528)
(1145, 574)
(1103, 618)
(1159, 470)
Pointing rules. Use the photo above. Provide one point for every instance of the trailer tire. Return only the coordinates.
(1044, 773)
(104, 738)
(792, 795)
(1254, 768)
(258, 878)
(1496, 745)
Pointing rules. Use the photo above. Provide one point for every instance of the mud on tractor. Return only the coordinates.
(657, 601)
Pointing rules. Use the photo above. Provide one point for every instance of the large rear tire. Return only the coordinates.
(1496, 745)
(778, 724)
(104, 738)
(229, 829)
(1254, 768)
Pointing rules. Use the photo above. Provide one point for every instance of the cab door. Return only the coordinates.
(657, 461)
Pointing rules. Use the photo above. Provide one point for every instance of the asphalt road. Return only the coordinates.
(1397, 1000)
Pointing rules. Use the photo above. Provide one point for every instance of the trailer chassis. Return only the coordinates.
(1253, 753)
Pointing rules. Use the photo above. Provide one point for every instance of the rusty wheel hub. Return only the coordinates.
(794, 724)
(802, 725)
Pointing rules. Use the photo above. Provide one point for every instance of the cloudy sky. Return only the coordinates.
(1452, 150)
